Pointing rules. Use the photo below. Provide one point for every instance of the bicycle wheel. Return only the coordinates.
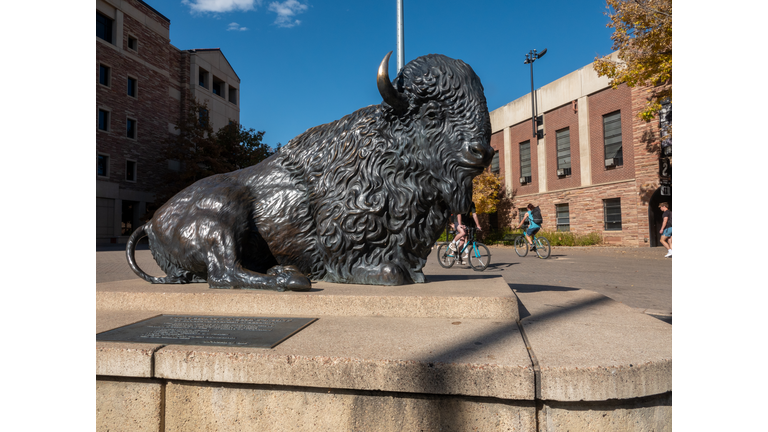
(445, 256)
(479, 257)
(542, 247)
(521, 246)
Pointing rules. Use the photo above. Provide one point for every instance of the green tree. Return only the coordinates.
(642, 35)
(200, 152)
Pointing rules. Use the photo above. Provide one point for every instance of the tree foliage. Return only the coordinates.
(200, 152)
(642, 35)
(485, 192)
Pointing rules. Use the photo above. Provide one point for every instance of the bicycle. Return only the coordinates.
(478, 254)
(543, 248)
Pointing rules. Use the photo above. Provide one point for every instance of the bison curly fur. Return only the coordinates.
(358, 200)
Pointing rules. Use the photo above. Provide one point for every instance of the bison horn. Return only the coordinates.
(391, 96)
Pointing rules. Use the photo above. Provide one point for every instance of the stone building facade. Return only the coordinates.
(143, 85)
(592, 166)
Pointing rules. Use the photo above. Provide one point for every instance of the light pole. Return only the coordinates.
(400, 37)
(531, 57)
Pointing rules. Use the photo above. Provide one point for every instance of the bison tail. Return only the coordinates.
(130, 253)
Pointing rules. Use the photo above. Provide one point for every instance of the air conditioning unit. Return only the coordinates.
(561, 172)
(522, 180)
(610, 162)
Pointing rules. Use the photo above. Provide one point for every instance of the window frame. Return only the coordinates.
(109, 28)
(107, 159)
(561, 166)
(496, 161)
(128, 129)
(108, 73)
(613, 203)
(529, 177)
(108, 119)
(203, 78)
(135, 94)
(217, 86)
(559, 218)
(131, 38)
(618, 160)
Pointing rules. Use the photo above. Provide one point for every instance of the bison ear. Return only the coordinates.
(391, 96)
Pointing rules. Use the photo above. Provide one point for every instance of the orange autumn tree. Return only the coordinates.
(485, 192)
(642, 35)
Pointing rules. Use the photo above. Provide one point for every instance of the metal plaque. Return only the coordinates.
(255, 332)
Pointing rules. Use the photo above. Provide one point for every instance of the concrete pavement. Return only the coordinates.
(638, 278)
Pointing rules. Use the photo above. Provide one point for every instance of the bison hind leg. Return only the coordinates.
(278, 278)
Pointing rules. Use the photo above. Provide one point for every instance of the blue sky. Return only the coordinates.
(307, 62)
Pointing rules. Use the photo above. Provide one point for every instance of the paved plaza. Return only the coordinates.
(639, 278)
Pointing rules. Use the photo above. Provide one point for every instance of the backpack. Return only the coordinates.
(536, 213)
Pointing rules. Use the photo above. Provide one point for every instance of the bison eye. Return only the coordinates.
(432, 111)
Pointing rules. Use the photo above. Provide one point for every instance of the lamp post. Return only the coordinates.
(400, 37)
(531, 57)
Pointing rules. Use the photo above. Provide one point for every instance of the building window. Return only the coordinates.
(104, 120)
(612, 139)
(131, 128)
(105, 73)
(563, 215)
(495, 163)
(612, 214)
(130, 170)
(103, 27)
(233, 95)
(563, 139)
(525, 162)
(132, 87)
(218, 87)
(133, 43)
(203, 117)
(102, 165)
(202, 77)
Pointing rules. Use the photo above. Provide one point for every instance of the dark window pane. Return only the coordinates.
(130, 171)
(103, 27)
(612, 214)
(103, 75)
(563, 148)
(612, 136)
(131, 87)
(131, 128)
(103, 120)
(495, 162)
(101, 165)
(525, 159)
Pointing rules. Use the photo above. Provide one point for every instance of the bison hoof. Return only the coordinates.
(292, 282)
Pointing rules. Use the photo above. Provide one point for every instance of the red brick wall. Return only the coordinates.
(606, 102)
(557, 119)
(153, 108)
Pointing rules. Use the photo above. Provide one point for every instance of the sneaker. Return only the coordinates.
(465, 255)
(669, 254)
(452, 247)
(533, 248)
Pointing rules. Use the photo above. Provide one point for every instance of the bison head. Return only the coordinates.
(438, 107)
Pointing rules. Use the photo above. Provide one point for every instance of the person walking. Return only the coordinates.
(666, 228)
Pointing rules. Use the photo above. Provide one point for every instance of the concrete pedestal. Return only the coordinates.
(465, 354)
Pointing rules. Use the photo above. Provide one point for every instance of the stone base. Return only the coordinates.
(565, 361)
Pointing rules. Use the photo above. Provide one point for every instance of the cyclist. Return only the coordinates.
(462, 222)
(533, 227)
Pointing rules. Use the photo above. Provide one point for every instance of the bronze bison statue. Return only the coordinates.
(360, 200)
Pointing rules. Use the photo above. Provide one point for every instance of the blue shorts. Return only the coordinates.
(667, 232)
(532, 231)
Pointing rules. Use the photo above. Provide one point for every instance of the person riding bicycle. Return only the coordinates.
(462, 223)
(533, 227)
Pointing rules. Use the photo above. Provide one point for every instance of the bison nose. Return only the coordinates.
(477, 153)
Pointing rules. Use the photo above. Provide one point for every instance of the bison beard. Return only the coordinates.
(359, 200)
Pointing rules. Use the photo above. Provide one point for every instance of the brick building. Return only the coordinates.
(143, 84)
(593, 164)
